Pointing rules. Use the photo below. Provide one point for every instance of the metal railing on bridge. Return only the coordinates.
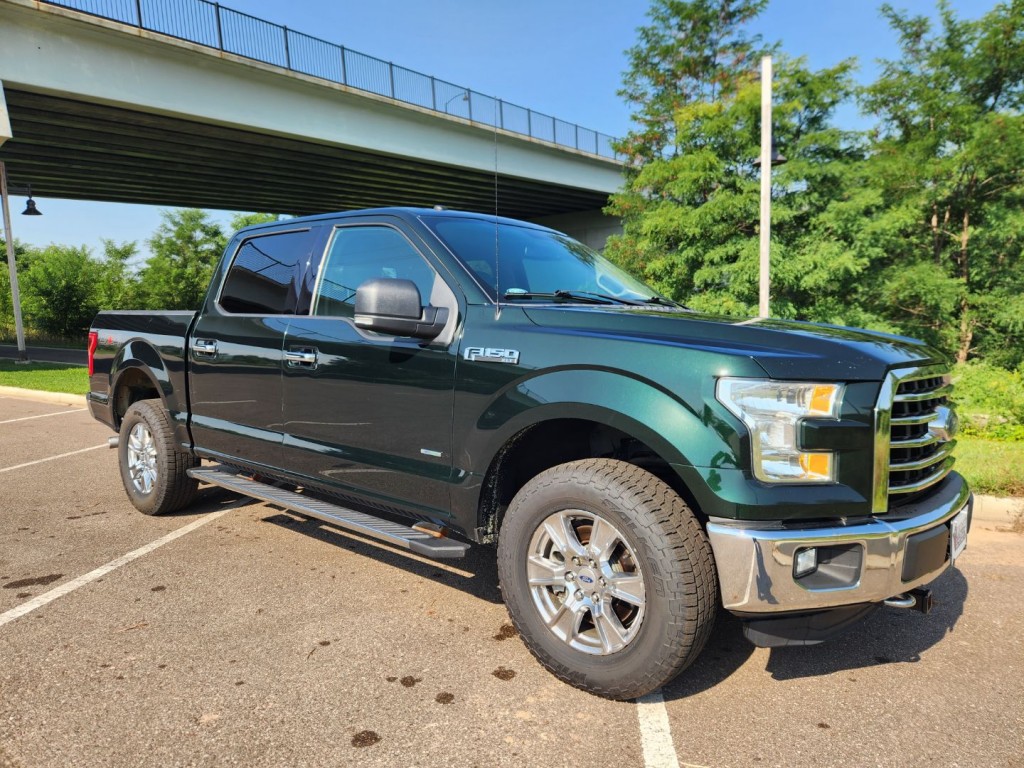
(215, 26)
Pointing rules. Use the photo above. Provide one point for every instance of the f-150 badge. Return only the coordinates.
(492, 355)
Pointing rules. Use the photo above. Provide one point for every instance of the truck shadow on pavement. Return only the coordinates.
(475, 574)
(887, 636)
(208, 500)
(727, 650)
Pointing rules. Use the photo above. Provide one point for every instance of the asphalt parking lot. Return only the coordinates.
(255, 638)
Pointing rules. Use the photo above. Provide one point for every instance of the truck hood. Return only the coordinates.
(785, 349)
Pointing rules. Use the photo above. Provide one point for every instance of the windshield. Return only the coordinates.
(533, 263)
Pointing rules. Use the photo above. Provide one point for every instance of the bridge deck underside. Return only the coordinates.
(77, 150)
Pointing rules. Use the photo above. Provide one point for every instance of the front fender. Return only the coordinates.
(680, 432)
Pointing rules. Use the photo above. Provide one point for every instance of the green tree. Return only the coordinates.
(690, 203)
(946, 174)
(117, 284)
(57, 290)
(22, 255)
(242, 220)
(185, 249)
(692, 51)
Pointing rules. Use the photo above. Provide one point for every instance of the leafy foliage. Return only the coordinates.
(990, 400)
(991, 466)
(117, 284)
(690, 52)
(947, 164)
(58, 290)
(916, 227)
(691, 202)
(242, 220)
(186, 248)
(6, 299)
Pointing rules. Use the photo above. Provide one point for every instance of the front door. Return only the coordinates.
(366, 413)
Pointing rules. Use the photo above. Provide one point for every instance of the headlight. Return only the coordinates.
(772, 411)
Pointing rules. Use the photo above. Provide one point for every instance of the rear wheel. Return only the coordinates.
(608, 577)
(153, 468)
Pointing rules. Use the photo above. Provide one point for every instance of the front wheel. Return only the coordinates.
(153, 468)
(607, 576)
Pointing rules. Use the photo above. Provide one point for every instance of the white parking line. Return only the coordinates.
(655, 734)
(103, 570)
(44, 415)
(51, 458)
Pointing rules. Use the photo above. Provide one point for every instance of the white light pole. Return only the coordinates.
(766, 183)
(19, 330)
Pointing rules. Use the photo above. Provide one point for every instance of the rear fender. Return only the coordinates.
(138, 358)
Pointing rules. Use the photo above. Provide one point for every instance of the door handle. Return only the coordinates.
(301, 358)
(206, 347)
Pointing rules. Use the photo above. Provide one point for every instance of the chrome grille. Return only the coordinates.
(914, 434)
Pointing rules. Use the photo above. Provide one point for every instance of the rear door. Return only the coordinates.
(367, 413)
(235, 350)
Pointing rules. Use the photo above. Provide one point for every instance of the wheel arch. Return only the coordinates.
(612, 416)
(139, 372)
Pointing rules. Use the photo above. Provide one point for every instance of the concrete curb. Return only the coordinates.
(996, 509)
(60, 398)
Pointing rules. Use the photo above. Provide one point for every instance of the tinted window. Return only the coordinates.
(263, 274)
(518, 260)
(363, 253)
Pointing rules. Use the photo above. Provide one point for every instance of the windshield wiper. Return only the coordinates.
(584, 297)
(601, 296)
(661, 301)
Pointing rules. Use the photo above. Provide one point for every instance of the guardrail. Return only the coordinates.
(215, 26)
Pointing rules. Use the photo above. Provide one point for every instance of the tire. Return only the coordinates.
(153, 468)
(619, 623)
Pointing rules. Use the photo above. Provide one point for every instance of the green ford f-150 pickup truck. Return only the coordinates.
(432, 378)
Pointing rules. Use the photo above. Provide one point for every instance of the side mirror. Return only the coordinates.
(392, 306)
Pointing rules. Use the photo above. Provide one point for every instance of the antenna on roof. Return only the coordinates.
(497, 271)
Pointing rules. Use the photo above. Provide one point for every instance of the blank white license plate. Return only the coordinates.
(958, 534)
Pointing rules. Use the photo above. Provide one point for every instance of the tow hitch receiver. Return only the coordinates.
(919, 599)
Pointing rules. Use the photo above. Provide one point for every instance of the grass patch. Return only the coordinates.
(48, 377)
(993, 467)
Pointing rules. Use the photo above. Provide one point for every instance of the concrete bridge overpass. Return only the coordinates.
(103, 109)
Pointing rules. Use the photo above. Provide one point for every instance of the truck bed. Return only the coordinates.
(148, 346)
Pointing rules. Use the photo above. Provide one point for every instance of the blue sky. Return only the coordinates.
(562, 57)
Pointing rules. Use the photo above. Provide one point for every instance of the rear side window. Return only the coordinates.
(362, 253)
(263, 276)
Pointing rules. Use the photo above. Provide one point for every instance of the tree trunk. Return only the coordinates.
(966, 322)
(966, 331)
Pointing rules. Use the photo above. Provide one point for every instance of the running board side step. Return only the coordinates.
(425, 541)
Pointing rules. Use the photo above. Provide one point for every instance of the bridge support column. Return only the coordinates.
(591, 228)
(5, 118)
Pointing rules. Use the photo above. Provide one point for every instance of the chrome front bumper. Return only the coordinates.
(755, 564)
